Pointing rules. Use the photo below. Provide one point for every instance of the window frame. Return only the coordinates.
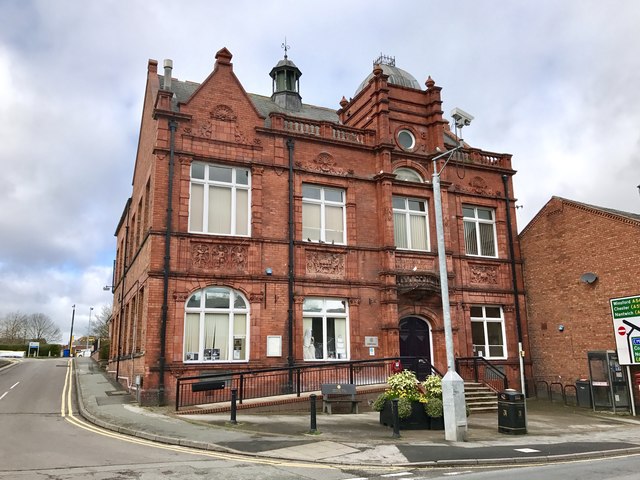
(324, 315)
(485, 321)
(476, 221)
(323, 203)
(406, 174)
(232, 335)
(233, 186)
(407, 213)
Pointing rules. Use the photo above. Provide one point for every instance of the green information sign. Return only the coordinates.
(626, 307)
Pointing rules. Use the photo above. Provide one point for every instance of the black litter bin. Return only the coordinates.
(511, 413)
(583, 393)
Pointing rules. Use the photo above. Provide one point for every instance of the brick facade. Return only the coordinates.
(567, 316)
(354, 149)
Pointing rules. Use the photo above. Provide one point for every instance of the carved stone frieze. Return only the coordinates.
(477, 185)
(322, 263)
(224, 113)
(180, 296)
(205, 129)
(256, 297)
(487, 274)
(219, 257)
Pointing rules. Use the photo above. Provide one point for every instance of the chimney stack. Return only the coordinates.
(168, 66)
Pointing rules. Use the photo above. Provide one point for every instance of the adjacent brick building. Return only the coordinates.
(262, 231)
(577, 257)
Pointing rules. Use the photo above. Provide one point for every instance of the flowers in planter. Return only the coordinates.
(407, 389)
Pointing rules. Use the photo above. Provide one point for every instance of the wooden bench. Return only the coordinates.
(338, 393)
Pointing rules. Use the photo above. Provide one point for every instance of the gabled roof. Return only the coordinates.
(609, 212)
(264, 105)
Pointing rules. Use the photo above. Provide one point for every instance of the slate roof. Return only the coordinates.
(264, 105)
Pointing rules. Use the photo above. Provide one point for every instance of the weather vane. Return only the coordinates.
(285, 46)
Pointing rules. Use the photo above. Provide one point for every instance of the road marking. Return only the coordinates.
(14, 385)
(400, 474)
(457, 473)
(3, 395)
(69, 417)
(526, 450)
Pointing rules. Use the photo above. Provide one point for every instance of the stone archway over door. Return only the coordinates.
(415, 341)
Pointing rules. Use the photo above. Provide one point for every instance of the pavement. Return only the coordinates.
(555, 432)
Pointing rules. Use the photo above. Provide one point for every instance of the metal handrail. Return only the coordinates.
(482, 371)
(298, 379)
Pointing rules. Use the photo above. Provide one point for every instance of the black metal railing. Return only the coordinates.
(480, 370)
(217, 387)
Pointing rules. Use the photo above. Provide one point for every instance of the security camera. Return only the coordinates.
(461, 118)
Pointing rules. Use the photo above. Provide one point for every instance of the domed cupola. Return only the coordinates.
(286, 84)
(396, 75)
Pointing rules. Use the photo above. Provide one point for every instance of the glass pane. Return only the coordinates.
(308, 341)
(477, 336)
(487, 244)
(191, 336)
(239, 325)
(470, 238)
(399, 202)
(485, 214)
(496, 351)
(476, 312)
(309, 191)
(407, 174)
(220, 174)
(242, 212)
(194, 300)
(405, 139)
(494, 332)
(340, 331)
(216, 298)
(468, 212)
(416, 205)
(219, 210)
(242, 176)
(418, 232)
(239, 302)
(336, 306)
(493, 312)
(216, 336)
(333, 195)
(310, 222)
(196, 203)
(197, 171)
(400, 230)
(312, 305)
(333, 224)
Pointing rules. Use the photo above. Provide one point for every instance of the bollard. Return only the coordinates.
(234, 397)
(312, 400)
(396, 418)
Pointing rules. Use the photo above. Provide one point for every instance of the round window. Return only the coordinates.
(406, 140)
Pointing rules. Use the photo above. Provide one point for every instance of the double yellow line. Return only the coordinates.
(66, 412)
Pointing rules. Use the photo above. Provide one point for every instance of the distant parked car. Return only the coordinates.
(83, 353)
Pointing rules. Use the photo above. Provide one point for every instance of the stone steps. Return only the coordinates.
(480, 398)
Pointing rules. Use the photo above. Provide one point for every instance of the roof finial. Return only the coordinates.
(285, 46)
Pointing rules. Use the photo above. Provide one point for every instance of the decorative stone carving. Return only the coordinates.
(484, 274)
(220, 257)
(205, 129)
(256, 297)
(325, 163)
(186, 131)
(325, 263)
(180, 296)
(223, 113)
(354, 302)
(240, 138)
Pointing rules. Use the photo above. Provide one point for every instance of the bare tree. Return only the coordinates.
(13, 328)
(100, 325)
(41, 328)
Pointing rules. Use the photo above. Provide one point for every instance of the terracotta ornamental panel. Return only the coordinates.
(219, 257)
(329, 264)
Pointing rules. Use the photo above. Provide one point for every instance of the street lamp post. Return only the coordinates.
(455, 411)
(89, 327)
(73, 315)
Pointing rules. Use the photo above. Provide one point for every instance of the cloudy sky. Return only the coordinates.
(554, 83)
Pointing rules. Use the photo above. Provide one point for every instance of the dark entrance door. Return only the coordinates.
(415, 341)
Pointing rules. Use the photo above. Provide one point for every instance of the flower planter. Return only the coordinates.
(418, 420)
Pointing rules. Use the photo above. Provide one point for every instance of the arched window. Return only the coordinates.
(408, 175)
(216, 326)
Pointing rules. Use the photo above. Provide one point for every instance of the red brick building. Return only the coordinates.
(568, 310)
(262, 231)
